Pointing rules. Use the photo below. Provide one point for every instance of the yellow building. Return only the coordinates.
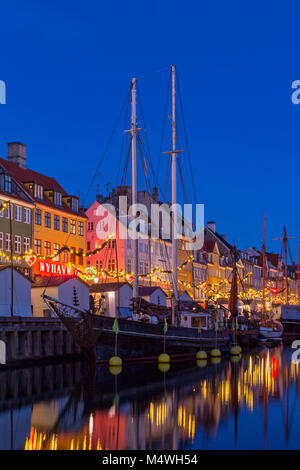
(57, 220)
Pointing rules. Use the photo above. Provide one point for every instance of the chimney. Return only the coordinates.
(17, 154)
(155, 194)
(212, 226)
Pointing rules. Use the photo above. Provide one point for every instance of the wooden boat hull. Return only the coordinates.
(96, 337)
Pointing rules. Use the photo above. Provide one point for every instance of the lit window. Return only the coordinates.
(73, 227)
(38, 191)
(55, 249)
(7, 242)
(26, 244)
(26, 216)
(1, 241)
(37, 246)
(80, 228)
(18, 241)
(18, 213)
(47, 248)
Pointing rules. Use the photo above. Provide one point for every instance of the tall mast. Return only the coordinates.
(11, 262)
(134, 131)
(174, 188)
(263, 269)
(285, 265)
(298, 285)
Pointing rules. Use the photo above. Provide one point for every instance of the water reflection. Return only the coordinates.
(252, 402)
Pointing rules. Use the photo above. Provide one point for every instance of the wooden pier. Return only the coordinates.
(32, 339)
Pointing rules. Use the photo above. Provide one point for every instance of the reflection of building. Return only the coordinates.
(173, 417)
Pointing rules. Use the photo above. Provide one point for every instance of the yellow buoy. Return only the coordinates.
(201, 355)
(215, 353)
(164, 366)
(164, 357)
(115, 361)
(115, 370)
(215, 360)
(234, 359)
(201, 362)
(235, 350)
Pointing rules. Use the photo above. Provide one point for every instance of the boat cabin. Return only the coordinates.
(196, 320)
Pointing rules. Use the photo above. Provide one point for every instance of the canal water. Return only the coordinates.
(247, 403)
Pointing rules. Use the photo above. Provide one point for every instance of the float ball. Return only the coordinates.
(201, 363)
(115, 361)
(235, 350)
(201, 355)
(215, 353)
(164, 358)
(163, 366)
(115, 370)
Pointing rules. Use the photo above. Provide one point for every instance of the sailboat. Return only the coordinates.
(98, 335)
(269, 329)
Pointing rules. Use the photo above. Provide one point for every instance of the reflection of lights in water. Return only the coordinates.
(212, 396)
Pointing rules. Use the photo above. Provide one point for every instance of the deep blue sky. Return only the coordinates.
(67, 67)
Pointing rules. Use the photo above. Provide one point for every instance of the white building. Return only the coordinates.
(70, 290)
(153, 294)
(21, 293)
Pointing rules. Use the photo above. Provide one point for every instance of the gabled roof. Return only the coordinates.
(54, 281)
(148, 290)
(108, 286)
(22, 176)
(2, 268)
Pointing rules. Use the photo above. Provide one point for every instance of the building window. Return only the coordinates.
(80, 257)
(72, 255)
(57, 199)
(1, 241)
(73, 227)
(38, 217)
(18, 241)
(74, 206)
(7, 242)
(47, 219)
(38, 191)
(80, 228)
(37, 246)
(56, 222)
(55, 249)
(64, 257)
(65, 224)
(26, 216)
(47, 247)
(111, 265)
(7, 183)
(129, 269)
(7, 211)
(18, 213)
(26, 241)
(88, 246)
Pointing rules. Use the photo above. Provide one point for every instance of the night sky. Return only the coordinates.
(67, 67)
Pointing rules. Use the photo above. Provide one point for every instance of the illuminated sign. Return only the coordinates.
(89, 273)
(49, 268)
